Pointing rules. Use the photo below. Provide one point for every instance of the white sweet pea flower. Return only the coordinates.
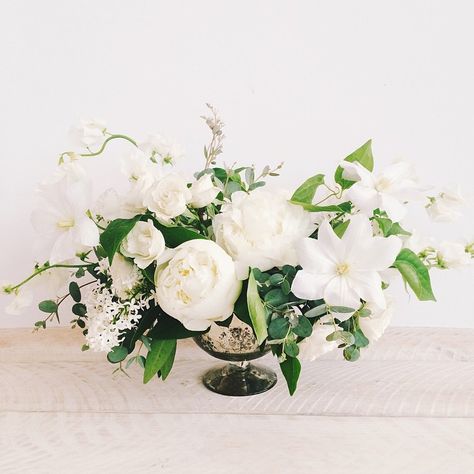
(145, 243)
(446, 207)
(203, 192)
(126, 278)
(21, 299)
(198, 285)
(342, 271)
(374, 325)
(88, 132)
(167, 198)
(162, 150)
(62, 219)
(316, 345)
(387, 190)
(453, 255)
(261, 230)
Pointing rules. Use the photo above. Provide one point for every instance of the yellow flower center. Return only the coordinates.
(66, 224)
(342, 269)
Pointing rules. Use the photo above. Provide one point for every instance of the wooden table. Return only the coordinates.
(406, 407)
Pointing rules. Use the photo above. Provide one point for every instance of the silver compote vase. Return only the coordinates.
(238, 345)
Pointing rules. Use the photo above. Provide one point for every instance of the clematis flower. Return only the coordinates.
(343, 271)
(387, 190)
(62, 219)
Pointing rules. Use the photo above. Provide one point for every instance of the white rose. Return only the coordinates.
(261, 230)
(203, 192)
(168, 197)
(144, 243)
(159, 147)
(88, 132)
(198, 285)
(453, 255)
(446, 207)
(316, 345)
(374, 325)
(125, 277)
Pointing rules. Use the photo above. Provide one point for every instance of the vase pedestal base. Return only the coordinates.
(240, 379)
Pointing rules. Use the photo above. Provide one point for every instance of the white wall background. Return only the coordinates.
(304, 82)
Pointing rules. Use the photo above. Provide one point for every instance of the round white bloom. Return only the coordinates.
(203, 192)
(446, 207)
(126, 277)
(168, 197)
(316, 345)
(374, 325)
(261, 229)
(161, 149)
(453, 255)
(88, 132)
(144, 243)
(198, 285)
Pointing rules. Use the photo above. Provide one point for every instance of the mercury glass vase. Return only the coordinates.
(238, 345)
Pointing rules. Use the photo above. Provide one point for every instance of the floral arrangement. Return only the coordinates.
(309, 271)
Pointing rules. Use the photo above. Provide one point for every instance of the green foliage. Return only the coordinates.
(416, 274)
(48, 306)
(117, 354)
(388, 228)
(291, 349)
(75, 291)
(341, 309)
(175, 236)
(362, 155)
(167, 365)
(341, 228)
(256, 309)
(305, 193)
(79, 309)
(157, 358)
(241, 309)
(320, 310)
(114, 234)
(343, 207)
(304, 328)
(278, 328)
(291, 369)
(351, 353)
(168, 328)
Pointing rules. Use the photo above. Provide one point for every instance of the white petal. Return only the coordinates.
(309, 286)
(358, 232)
(64, 248)
(364, 197)
(368, 285)
(393, 207)
(379, 253)
(313, 258)
(339, 293)
(329, 242)
(88, 232)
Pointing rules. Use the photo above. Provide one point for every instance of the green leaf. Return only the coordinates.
(276, 297)
(175, 236)
(79, 309)
(117, 354)
(168, 328)
(341, 228)
(305, 193)
(256, 185)
(345, 336)
(285, 287)
(360, 339)
(241, 309)
(80, 273)
(341, 309)
(389, 228)
(48, 306)
(291, 349)
(256, 310)
(304, 328)
(318, 311)
(40, 324)
(276, 279)
(75, 291)
(364, 312)
(168, 365)
(149, 273)
(278, 328)
(291, 369)
(343, 207)
(84, 347)
(157, 357)
(113, 235)
(362, 155)
(351, 353)
(415, 274)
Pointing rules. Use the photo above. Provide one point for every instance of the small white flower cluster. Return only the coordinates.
(107, 317)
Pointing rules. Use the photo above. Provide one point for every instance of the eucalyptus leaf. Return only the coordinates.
(276, 297)
(48, 306)
(75, 291)
(304, 328)
(278, 328)
(256, 310)
(117, 354)
(318, 311)
(351, 353)
(291, 349)
(341, 309)
(79, 309)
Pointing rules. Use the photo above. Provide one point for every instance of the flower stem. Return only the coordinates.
(112, 137)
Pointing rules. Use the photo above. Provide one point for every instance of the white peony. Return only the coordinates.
(316, 345)
(343, 271)
(453, 255)
(126, 278)
(446, 207)
(161, 149)
(261, 230)
(387, 190)
(168, 197)
(374, 325)
(203, 192)
(88, 132)
(144, 243)
(198, 285)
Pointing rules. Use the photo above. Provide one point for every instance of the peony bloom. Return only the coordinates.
(374, 325)
(446, 207)
(342, 271)
(261, 230)
(62, 219)
(203, 192)
(387, 190)
(316, 345)
(88, 132)
(162, 150)
(126, 278)
(198, 285)
(145, 243)
(453, 255)
(168, 197)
